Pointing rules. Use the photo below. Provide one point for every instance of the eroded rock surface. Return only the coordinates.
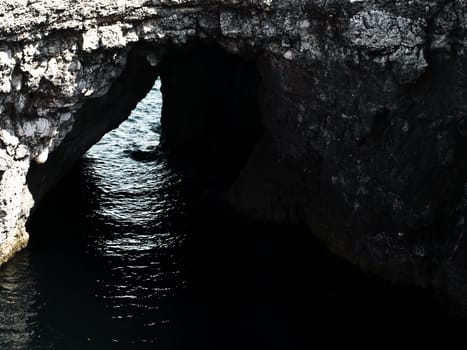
(363, 103)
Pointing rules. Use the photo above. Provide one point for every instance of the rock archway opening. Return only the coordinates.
(210, 120)
(131, 240)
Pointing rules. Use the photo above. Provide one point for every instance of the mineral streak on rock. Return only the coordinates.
(363, 103)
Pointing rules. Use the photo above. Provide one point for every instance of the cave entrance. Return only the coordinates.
(210, 116)
(112, 239)
(188, 138)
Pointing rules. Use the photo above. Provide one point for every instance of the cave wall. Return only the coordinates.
(210, 116)
(361, 104)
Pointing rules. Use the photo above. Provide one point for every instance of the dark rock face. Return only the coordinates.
(210, 117)
(346, 116)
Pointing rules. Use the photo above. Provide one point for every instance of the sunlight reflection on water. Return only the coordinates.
(131, 197)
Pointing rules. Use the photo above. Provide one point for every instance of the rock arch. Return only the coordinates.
(362, 108)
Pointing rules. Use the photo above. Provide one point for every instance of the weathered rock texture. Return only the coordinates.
(363, 106)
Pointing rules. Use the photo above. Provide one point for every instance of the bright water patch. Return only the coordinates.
(137, 193)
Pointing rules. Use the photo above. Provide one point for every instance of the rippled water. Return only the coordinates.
(130, 253)
(111, 260)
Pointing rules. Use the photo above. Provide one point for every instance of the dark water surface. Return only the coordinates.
(129, 253)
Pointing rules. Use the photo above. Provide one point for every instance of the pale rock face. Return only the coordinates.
(382, 33)
(7, 63)
(16, 199)
(91, 40)
(366, 98)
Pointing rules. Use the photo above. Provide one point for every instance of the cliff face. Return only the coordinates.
(362, 106)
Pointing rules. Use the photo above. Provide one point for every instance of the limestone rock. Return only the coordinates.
(364, 103)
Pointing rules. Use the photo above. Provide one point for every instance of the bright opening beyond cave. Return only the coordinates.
(126, 166)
